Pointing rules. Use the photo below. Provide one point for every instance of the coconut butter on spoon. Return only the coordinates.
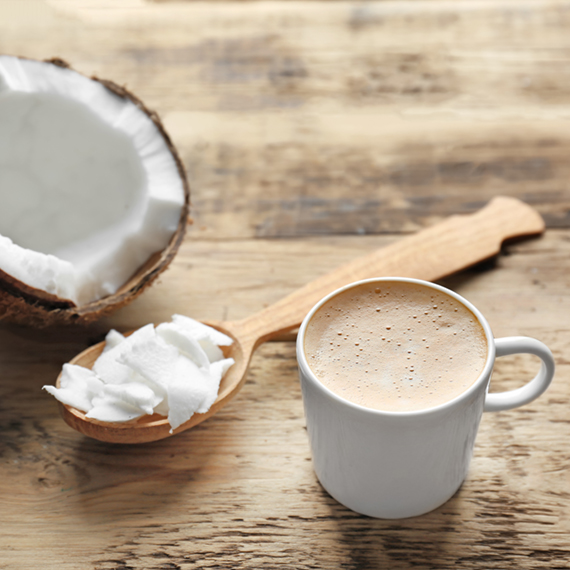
(173, 370)
(452, 245)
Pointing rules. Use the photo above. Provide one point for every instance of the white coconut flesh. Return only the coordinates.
(89, 188)
(172, 370)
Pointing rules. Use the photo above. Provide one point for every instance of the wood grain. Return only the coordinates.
(312, 132)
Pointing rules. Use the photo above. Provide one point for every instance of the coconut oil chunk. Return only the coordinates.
(173, 370)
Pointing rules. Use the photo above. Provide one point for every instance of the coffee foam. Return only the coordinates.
(395, 346)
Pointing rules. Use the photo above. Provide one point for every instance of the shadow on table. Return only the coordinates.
(433, 540)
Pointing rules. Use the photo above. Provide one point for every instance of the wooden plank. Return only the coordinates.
(370, 119)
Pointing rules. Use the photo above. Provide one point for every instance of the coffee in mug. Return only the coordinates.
(395, 346)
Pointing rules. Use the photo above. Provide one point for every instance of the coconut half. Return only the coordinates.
(93, 196)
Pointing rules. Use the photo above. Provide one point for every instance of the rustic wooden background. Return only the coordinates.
(312, 132)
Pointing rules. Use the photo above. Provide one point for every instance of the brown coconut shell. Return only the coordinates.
(22, 304)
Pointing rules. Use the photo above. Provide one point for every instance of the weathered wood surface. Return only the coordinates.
(312, 132)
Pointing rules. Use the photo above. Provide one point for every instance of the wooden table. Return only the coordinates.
(312, 132)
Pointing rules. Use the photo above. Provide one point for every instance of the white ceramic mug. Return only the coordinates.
(402, 464)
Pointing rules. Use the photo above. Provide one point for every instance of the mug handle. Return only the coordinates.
(498, 401)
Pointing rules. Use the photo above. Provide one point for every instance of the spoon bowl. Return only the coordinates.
(433, 253)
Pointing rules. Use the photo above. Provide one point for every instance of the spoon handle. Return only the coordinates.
(449, 246)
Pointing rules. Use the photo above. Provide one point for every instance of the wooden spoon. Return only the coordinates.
(452, 245)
